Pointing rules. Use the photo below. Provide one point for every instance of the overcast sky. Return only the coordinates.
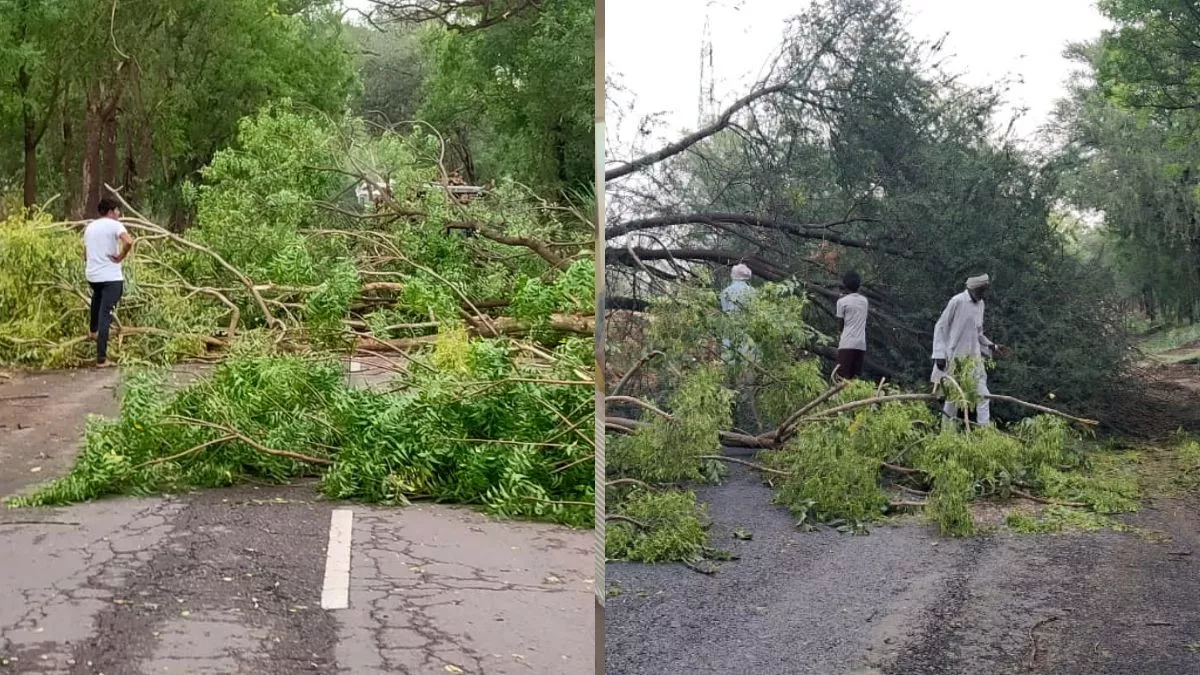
(652, 48)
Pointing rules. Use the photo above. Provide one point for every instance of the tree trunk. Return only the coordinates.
(99, 158)
(108, 152)
(29, 128)
(70, 196)
(468, 163)
(30, 139)
(93, 131)
(129, 177)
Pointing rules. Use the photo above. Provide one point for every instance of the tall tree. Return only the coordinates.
(1140, 168)
(862, 153)
(157, 87)
(511, 84)
(29, 50)
(1152, 57)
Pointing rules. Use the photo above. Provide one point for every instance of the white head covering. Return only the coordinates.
(978, 282)
(741, 272)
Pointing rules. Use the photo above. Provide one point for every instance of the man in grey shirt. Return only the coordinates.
(739, 292)
(852, 310)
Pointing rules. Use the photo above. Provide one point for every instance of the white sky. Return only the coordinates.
(652, 49)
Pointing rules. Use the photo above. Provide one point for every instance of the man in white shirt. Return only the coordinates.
(852, 310)
(106, 244)
(959, 334)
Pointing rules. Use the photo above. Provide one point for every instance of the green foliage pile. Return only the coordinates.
(698, 375)
(670, 450)
(479, 426)
(282, 276)
(847, 468)
(274, 208)
(656, 527)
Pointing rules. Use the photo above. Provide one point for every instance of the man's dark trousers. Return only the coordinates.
(105, 296)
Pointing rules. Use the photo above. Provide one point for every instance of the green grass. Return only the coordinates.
(1061, 519)
(1171, 339)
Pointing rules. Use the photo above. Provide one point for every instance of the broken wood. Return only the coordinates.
(250, 441)
(23, 397)
(1042, 408)
(752, 465)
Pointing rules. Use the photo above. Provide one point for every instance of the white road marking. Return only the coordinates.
(336, 593)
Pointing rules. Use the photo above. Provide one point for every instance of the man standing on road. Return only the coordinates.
(959, 334)
(852, 324)
(736, 297)
(106, 244)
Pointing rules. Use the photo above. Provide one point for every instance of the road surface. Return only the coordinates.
(231, 581)
(906, 601)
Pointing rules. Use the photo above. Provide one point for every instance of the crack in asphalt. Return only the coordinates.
(105, 564)
(402, 583)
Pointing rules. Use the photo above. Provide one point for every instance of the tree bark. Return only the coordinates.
(30, 138)
(98, 162)
(68, 156)
(29, 131)
(93, 131)
(108, 153)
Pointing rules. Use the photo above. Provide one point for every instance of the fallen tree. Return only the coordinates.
(482, 308)
(856, 151)
(841, 453)
(272, 250)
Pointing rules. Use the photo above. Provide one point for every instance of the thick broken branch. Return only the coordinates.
(539, 247)
(640, 403)
(230, 431)
(891, 398)
(821, 232)
(761, 268)
(795, 417)
(695, 137)
(140, 222)
(1042, 408)
(640, 362)
(752, 465)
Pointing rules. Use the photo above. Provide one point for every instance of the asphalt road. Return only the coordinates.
(905, 601)
(230, 581)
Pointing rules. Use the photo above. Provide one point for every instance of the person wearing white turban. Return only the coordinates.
(959, 334)
(736, 297)
(738, 293)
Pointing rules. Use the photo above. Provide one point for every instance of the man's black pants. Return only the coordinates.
(850, 363)
(105, 296)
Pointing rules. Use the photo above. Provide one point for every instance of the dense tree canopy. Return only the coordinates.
(1127, 146)
(861, 153)
(535, 71)
(144, 95)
